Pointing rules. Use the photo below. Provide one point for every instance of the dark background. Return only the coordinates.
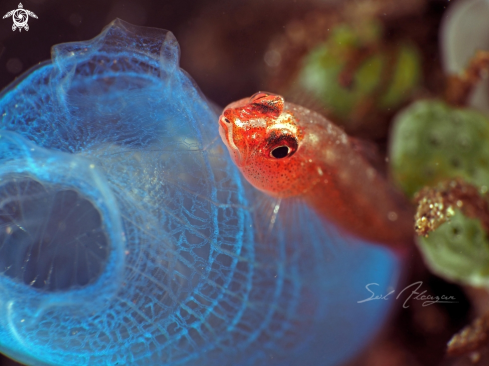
(222, 42)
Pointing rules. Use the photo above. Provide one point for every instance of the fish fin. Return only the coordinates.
(307, 231)
(286, 219)
(299, 96)
(265, 214)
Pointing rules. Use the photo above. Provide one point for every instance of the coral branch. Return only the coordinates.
(471, 338)
(460, 87)
(437, 205)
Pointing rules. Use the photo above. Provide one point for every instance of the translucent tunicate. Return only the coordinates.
(128, 237)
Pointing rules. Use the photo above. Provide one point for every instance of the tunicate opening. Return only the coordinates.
(52, 238)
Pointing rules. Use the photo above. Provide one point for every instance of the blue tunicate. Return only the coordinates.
(128, 237)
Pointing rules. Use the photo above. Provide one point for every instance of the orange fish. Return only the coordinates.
(287, 150)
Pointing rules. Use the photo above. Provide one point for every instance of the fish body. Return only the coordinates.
(287, 150)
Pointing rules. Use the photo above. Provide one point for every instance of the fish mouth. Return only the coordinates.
(226, 133)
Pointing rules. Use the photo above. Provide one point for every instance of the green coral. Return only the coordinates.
(458, 250)
(322, 67)
(433, 142)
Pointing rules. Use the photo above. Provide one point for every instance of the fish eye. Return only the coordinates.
(283, 147)
(280, 152)
(226, 120)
